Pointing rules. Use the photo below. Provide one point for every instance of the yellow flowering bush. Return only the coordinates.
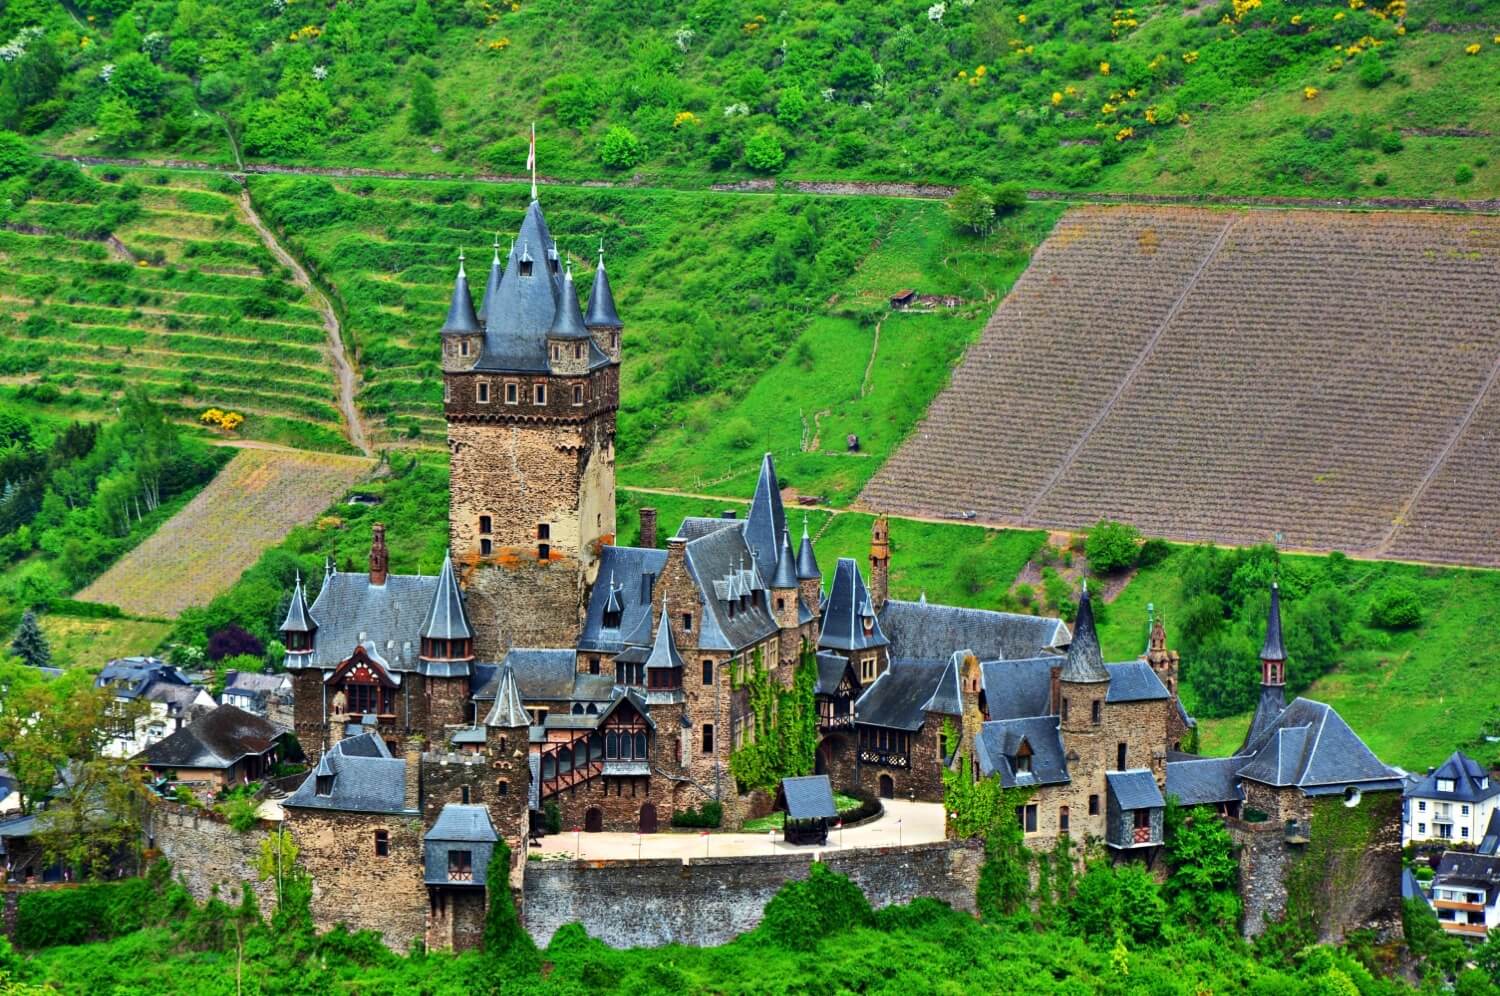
(684, 118)
(1339, 16)
(1296, 18)
(1190, 57)
(1184, 118)
(1151, 115)
(1473, 49)
(1103, 69)
(1020, 18)
(1057, 98)
(499, 43)
(228, 421)
(1309, 93)
(1123, 134)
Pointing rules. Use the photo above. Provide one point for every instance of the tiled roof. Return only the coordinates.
(807, 563)
(492, 280)
(1000, 741)
(1134, 681)
(1135, 789)
(1311, 747)
(461, 317)
(507, 712)
(809, 797)
(567, 322)
(847, 609)
(1018, 689)
(1204, 781)
(831, 669)
(1471, 782)
(298, 618)
(713, 561)
(215, 740)
(366, 779)
(1085, 661)
(633, 570)
(929, 632)
(1490, 842)
(459, 822)
(945, 696)
(1474, 869)
(664, 651)
(896, 698)
(542, 674)
(389, 617)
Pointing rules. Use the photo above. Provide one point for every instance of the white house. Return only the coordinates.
(1466, 893)
(1451, 804)
(172, 702)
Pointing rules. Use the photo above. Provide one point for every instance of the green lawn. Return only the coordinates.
(92, 642)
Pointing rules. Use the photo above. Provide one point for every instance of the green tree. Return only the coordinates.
(125, 36)
(620, 148)
(1009, 197)
(972, 208)
(30, 643)
(504, 937)
(119, 124)
(1112, 546)
(139, 82)
(1202, 887)
(1122, 901)
(422, 27)
(763, 151)
(854, 70)
(1395, 604)
(791, 107)
(423, 115)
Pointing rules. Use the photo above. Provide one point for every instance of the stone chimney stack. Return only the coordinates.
(413, 798)
(648, 528)
(880, 562)
(380, 558)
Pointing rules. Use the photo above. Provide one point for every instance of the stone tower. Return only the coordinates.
(506, 730)
(1272, 674)
(530, 399)
(880, 562)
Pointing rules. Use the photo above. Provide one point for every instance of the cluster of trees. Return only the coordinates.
(78, 495)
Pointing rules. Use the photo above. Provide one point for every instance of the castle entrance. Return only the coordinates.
(887, 787)
(648, 818)
(593, 820)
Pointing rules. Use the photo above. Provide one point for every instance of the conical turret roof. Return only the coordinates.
(568, 322)
(1272, 649)
(1085, 661)
(786, 565)
(767, 520)
(508, 712)
(461, 317)
(299, 619)
(522, 310)
(807, 564)
(446, 619)
(602, 301)
(664, 651)
(492, 282)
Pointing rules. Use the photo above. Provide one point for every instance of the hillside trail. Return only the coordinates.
(343, 370)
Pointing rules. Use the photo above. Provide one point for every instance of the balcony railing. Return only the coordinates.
(1141, 835)
(460, 875)
(889, 758)
(837, 722)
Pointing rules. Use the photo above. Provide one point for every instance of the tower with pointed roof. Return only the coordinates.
(530, 398)
(1272, 701)
(1083, 680)
(602, 321)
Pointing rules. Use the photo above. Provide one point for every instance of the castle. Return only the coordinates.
(545, 669)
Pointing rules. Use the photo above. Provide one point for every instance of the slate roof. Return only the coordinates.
(446, 619)
(366, 779)
(601, 313)
(1271, 648)
(492, 280)
(298, 618)
(215, 740)
(1134, 681)
(946, 697)
(1490, 842)
(807, 563)
(518, 316)
(766, 522)
(1000, 739)
(1017, 689)
(785, 575)
(507, 712)
(664, 651)
(844, 613)
(634, 570)
(930, 632)
(459, 822)
(1270, 705)
(567, 323)
(1085, 662)
(465, 825)
(461, 317)
(1204, 781)
(714, 561)
(541, 674)
(695, 526)
(809, 797)
(131, 677)
(1134, 789)
(390, 617)
(831, 668)
(253, 682)
(1311, 747)
(1461, 867)
(898, 697)
(1471, 782)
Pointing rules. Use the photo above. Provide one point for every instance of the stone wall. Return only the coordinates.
(354, 885)
(708, 902)
(207, 853)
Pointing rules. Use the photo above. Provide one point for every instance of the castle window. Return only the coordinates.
(1026, 816)
(1096, 713)
(463, 347)
(525, 267)
(539, 397)
(593, 665)
(1093, 805)
(502, 787)
(614, 340)
(708, 738)
(1023, 757)
(486, 546)
(544, 551)
(464, 794)
(708, 672)
(324, 786)
(543, 531)
(460, 866)
(577, 394)
(867, 669)
(555, 351)
(1120, 757)
(504, 742)
(687, 622)
(382, 843)
(511, 394)
(552, 263)
(1062, 818)
(780, 604)
(1065, 710)
(482, 392)
(578, 351)
(485, 522)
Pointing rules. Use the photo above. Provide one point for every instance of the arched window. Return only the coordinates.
(577, 708)
(640, 746)
(502, 787)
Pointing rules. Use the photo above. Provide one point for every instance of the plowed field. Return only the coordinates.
(1323, 380)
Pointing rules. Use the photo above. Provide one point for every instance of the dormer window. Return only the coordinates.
(553, 264)
(324, 785)
(1022, 762)
(525, 267)
(1445, 784)
(869, 625)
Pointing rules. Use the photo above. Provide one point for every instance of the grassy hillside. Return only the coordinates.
(1058, 93)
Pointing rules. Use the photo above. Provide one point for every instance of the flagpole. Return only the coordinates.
(531, 160)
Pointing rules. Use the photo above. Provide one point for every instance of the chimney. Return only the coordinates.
(730, 513)
(413, 798)
(880, 562)
(648, 528)
(379, 556)
(1055, 684)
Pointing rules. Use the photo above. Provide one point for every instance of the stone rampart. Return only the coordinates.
(206, 852)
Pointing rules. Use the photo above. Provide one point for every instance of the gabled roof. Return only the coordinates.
(713, 560)
(809, 797)
(446, 620)
(1085, 663)
(1018, 689)
(1204, 781)
(1268, 708)
(846, 611)
(387, 618)
(602, 312)
(507, 712)
(999, 742)
(567, 322)
(461, 317)
(1134, 789)
(927, 631)
(459, 822)
(1490, 842)
(1461, 867)
(898, 698)
(946, 697)
(766, 522)
(1311, 747)
(215, 740)
(366, 779)
(132, 677)
(1471, 782)
(831, 668)
(298, 618)
(634, 570)
(1134, 681)
(467, 826)
(807, 563)
(1271, 648)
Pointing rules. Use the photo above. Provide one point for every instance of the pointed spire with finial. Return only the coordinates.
(1085, 662)
(567, 323)
(492, 282)
(1272, 649)
(531, 160)
(508, 712)
(601, 313)
(461, 317)
(807, 564)
(664, 649)
(786, 564)
(299, 619)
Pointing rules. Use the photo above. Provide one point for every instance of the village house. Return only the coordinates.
(1452, 804)
(1465, 893)
(265, 695)
(219, 749)
(170, 699)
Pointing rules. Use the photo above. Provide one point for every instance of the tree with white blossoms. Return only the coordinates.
(936, 11)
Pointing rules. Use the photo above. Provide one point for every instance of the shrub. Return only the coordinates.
(1372, 70)
(620, 148)
(1464, 175)
(552, 817)
(973, 209)
(802, 913)
(233, 641)
(711, 815)
(1153, 552)
(763, 152)
(1008, 197)
(1124, 899)
(89, 912)
(16, 157)
(1112, 546)
(1394, 604)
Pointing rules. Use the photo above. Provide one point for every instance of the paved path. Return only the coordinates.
(901, 823)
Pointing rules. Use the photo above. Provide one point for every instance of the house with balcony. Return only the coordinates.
(1452, 804)
(1466, 894)
(168, 701)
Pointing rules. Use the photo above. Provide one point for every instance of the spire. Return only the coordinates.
(298, 618)
(461, 317)
(602, 312)
(1085, 661)
(567, 323)
(508, 712)
(328, 569)
(786, 565)
(1271, 649)
(767, 519)
(491, 283)
(446, 619)
(664, 650)
(807, 564)
(612, 603)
